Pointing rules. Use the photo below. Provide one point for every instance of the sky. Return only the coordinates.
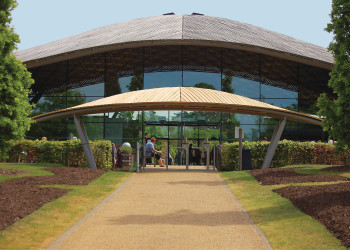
(41, 21)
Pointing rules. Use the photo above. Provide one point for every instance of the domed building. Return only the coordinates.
(177, 51)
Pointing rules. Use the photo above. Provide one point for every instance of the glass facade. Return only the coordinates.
(272, 80)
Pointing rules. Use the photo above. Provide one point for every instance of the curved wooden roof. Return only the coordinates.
(180, 98)
(178, 30)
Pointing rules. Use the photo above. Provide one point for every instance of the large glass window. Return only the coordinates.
(272, 80)
(245, 87)
(291, 104)
(162, 79)
(268, 91)
(124, 71)
(91, 90)
(123, 116)
(156, 116)
(50, 103)
(202, 80)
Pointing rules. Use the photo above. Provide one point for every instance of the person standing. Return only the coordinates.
(151, 151)
(118, 156)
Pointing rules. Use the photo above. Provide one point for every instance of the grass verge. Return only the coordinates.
(284, 226)
(41, 228)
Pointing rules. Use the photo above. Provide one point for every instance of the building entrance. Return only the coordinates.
(175, 137)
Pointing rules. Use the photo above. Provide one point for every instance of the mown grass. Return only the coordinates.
(33, 169)
(284, 226)
(45, 225)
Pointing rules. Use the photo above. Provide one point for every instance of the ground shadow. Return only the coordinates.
(206, 183)
(188, 217)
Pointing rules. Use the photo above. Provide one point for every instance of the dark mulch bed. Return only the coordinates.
(337, 169)
(20, 197)
(273, 176)
(7, 171)
(328, 204)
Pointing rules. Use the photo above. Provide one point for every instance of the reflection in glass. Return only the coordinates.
(94, 130)
(152, 67)
(90, 118)
(174, 116)
(75, 100)
(123, 132)
(291, 104)
(114, 132)
(251, 132)
(202, 80)
(245, 87)
(91, 90)
(247, 119)
(200, 117)
(124, 82)
(163, 79)
(156, 116)
(113, 86)
(51, 103)
(268, 91)
(136, 83)
(123, 116)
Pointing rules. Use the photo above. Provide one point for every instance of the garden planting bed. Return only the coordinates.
(328, 204)
(20, 197)
(337, 169)
(275, 176)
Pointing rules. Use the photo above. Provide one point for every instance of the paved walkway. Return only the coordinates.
(167, 210)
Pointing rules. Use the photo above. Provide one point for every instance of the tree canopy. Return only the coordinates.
(336, 112)
(15, 82)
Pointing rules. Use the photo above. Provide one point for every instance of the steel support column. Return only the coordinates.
(274, 142)
(79, 124)
(138, 157)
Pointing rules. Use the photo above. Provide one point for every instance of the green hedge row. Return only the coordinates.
(69, 153)
(287, 153)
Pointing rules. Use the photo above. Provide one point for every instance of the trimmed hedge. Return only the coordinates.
(69, 153)
(287, 153)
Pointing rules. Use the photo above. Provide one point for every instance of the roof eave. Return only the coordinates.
(135, 44)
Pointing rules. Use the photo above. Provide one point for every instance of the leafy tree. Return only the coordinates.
(204, 85)
(15, 82)
(336, 112)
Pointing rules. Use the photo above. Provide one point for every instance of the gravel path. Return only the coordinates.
(167, 210)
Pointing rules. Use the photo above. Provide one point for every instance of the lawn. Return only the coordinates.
(284, 226)
(45, 225)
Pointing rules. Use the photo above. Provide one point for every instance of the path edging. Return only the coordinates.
(73, 228)
(251, 221)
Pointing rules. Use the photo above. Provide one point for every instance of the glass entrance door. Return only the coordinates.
(171, 136)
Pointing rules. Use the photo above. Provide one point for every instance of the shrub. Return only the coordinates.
(287, 153)
(69, 153)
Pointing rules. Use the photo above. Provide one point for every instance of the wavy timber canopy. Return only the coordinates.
(180, 98)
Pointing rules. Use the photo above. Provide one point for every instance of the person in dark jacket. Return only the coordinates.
(118, 156)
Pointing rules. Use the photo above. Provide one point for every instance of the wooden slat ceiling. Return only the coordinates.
(180, 98)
